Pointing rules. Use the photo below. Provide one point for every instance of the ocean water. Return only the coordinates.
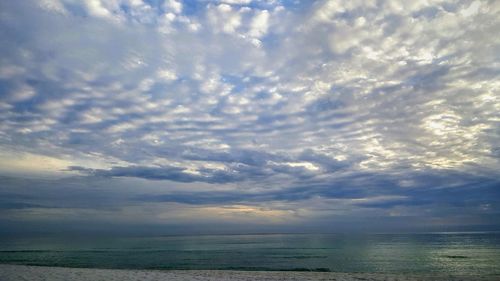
(456, 254)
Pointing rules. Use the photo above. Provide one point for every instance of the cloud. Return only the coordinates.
(160, 173)
(174, 5)
(295, 103)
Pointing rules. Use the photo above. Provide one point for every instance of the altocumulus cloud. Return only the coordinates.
(267, 113)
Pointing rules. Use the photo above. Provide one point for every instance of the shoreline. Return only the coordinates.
(12, 272)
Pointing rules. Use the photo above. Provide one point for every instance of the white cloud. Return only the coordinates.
(96, 8)
(237, 2)
(260, 24)
(22, 93)
(53, 5)
(167, 75)
(223, 18)
(174, 6)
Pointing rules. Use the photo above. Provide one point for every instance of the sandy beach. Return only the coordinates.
(39, 273)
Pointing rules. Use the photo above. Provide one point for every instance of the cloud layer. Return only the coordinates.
(264, 111)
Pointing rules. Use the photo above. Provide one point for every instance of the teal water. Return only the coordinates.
(459, 254)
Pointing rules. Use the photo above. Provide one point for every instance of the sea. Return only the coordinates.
(447, 254)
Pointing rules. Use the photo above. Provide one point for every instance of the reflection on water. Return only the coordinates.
(460, 254)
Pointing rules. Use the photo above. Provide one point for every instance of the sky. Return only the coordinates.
(249, 116)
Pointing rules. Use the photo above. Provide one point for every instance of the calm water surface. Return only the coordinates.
(459, 254)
